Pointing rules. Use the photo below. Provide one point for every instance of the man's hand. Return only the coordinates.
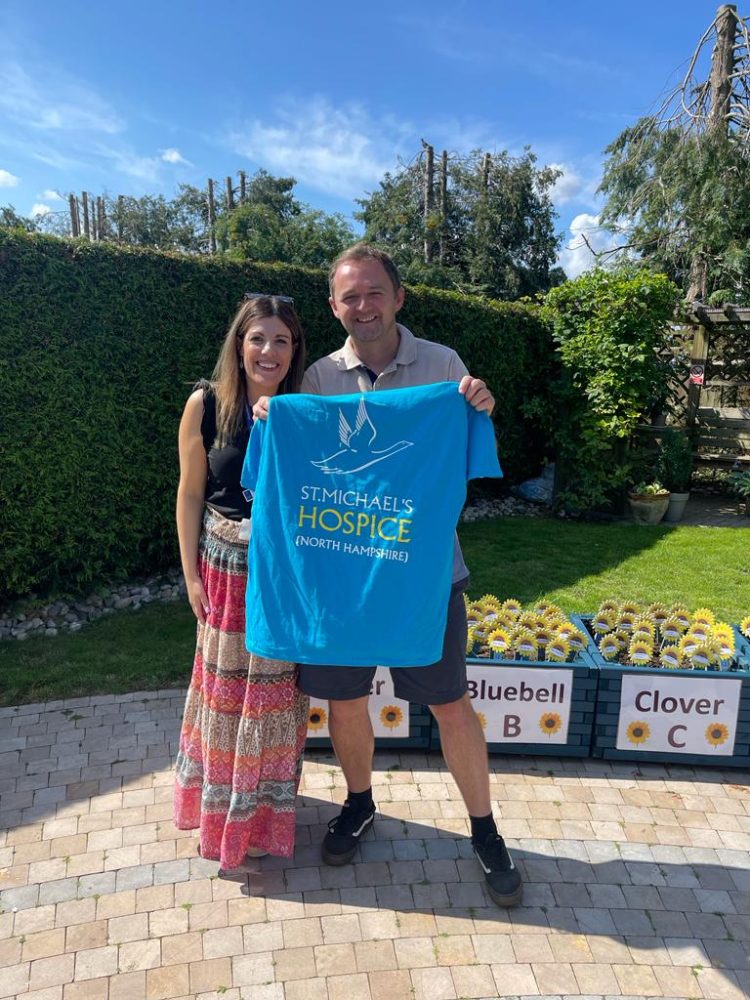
(477, 393)
(260, 410)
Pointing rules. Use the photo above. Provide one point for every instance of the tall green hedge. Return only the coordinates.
(99, 348)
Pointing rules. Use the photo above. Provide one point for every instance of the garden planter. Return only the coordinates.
(674, 716)
(533, 707)
(676, 507)
(396, 723)
(648, 508)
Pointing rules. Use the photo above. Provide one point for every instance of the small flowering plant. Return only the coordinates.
(506, 632)
(672, 638)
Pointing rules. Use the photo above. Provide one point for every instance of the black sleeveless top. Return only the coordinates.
(223, 490)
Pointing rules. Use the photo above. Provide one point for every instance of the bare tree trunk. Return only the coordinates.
(211, 217)
(86, 227)
(722, 67)
(720, 82)
(75, 229)
(429, 181)
(443, 188)
(230, 195)
(120, 217)
(243, 187)
(486, 172)
(101, 219)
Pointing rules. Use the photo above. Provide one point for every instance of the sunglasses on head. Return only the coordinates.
(265, 295)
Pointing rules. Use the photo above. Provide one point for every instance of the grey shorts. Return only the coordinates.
(437, 684)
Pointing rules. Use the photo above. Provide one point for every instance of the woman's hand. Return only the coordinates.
(198, 599)
(260, 409)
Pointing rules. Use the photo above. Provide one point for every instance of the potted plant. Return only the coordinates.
(675, 470)
(648, 502)
(739, 482)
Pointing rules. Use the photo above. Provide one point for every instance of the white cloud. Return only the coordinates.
(7, 179)
(586, 235)
(50, 195)
(339, 150)
(49, 102)
(40, 209)
(576, 183)
(174, 156)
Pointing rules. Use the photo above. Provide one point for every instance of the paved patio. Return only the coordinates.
(637, 878)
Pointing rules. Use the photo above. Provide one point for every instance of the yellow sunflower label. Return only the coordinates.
(389, 715)
(521, 704)
(690, 715)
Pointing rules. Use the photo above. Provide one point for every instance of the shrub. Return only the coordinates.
(612, 330)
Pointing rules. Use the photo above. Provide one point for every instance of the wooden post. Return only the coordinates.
(429, 180)
(230, 195)
(698, 356)
(74, 225)
(211, 217)
(86, 226)
(443, 189)
(243, 187)
(78, 215)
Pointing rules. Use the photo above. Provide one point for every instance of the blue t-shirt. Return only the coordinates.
(355, 503)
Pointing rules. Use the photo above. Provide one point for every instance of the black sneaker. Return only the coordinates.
(503, 881)
(345, 832)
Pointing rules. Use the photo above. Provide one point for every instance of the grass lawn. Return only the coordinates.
(575, 565)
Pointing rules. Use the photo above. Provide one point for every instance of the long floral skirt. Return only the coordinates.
(245, 722)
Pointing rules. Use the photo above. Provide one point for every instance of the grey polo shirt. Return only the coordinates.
(417, 362)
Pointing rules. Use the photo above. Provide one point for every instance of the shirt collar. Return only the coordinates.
(406, 354)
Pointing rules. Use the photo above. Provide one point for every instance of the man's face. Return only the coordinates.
(365, 302)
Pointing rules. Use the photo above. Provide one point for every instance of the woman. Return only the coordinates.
(245, 721)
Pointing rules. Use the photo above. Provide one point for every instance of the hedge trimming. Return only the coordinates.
(99, 348)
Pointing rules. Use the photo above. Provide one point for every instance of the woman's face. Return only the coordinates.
(266, 351)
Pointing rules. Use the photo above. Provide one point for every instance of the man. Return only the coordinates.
(365, 296)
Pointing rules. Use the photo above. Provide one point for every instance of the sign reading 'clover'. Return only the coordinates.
(678, 714)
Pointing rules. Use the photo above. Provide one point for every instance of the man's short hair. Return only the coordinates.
(363, 251)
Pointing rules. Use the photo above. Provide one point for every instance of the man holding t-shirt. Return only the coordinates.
(365, 296)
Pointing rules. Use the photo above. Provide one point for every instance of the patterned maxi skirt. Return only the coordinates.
(245, 722)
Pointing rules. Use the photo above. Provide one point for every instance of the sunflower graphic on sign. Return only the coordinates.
(391, 716)
(550, 723)
(717, 733)
(639, 732)
(317, 717)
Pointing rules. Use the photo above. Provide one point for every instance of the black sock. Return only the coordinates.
(482, 827)
(361, 801)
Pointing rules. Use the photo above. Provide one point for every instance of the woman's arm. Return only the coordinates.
(190, 497)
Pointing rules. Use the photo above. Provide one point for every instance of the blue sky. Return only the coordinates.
(135, 98)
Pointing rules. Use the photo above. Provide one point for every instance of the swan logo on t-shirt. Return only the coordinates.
(357, 452)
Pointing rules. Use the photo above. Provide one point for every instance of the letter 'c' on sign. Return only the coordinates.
(672, 735)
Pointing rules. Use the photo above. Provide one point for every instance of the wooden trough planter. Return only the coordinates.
(674, 716)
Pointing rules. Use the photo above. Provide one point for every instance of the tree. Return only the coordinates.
(491, 233)
(10, 218)
(678, 182)
(272, 225)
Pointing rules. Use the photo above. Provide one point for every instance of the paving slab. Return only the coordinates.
(637, 877)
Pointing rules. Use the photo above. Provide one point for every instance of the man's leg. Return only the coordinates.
(444, 687)
(465, 752)
(353, 740)
(347, 690)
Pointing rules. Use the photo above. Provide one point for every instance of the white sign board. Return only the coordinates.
(521, 704)
(678, 714)
(390, 715)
